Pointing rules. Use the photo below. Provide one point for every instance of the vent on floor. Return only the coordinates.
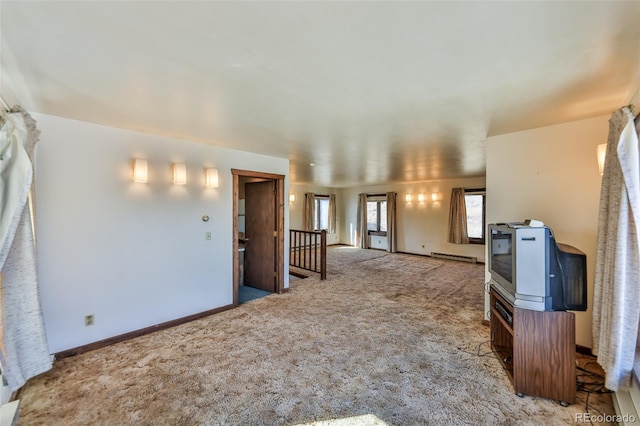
(470, 259)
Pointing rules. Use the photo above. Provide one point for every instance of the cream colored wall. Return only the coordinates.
(132, 254)
(422, 227)
(296, 209)
(551, 174)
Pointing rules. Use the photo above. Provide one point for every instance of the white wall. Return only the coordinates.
(134, 255)
(551, 174)
(296, 209)
(422, 227)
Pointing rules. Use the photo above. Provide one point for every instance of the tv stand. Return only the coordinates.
(536, 348)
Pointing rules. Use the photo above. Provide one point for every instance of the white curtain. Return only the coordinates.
(309, 211)
(392, 239)
(361, 222)
(616, 304)
(332, 214)
(24, 350)
(458, 218)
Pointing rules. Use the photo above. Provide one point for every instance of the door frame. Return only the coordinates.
(279, 204)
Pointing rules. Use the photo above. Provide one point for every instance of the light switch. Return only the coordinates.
(207, 235)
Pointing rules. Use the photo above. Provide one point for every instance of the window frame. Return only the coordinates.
(378, 200)
(483, 192)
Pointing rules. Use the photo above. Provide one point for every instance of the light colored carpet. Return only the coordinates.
(388, 335)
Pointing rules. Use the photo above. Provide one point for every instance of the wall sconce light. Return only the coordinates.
(292, 198)
(434, 197)
(602, 154)
(140, 171)
(179, 175)
(421, 197)
(407, 198)
(211, 178)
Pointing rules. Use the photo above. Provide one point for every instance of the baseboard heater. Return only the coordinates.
(469, 259)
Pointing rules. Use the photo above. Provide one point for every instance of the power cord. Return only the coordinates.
(591, 383)
(477, 352)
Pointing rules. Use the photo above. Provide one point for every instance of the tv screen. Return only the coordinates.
(501, 258)
(573, 268)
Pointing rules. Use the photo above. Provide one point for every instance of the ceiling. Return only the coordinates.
(370, 92)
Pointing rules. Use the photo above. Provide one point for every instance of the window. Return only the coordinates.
(321, 221)
(377, 217)
(474, 200)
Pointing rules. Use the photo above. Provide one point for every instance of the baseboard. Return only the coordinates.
(486, 323)
(624, 406)
(428, 255)
(9, 413)
(414, 254)
(137, 333)
(584, 350)
(627, 402)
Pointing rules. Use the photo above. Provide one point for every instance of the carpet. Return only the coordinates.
(399, 343)
(408, 264)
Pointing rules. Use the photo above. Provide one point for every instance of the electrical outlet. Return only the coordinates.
(207, 236)
(89, 320)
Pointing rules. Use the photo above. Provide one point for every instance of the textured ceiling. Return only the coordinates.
(371, 92)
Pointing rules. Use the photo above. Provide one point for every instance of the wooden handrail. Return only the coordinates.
(305, 250)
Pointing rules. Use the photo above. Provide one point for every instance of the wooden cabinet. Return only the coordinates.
(537, 349)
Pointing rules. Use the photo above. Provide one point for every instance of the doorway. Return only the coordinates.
(258, 231)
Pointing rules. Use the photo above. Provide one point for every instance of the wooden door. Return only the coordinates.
(260, 227)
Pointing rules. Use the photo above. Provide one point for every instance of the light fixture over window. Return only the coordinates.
(421, 197)
(602, 154)
(292, 198)
(140, 171)
(179, 175)
(211, 178)
(407, 198)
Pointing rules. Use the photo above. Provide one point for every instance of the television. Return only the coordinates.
(530, 270)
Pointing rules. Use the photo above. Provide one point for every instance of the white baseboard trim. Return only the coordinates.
(625, 409)
(627, 404)
(9, 413)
